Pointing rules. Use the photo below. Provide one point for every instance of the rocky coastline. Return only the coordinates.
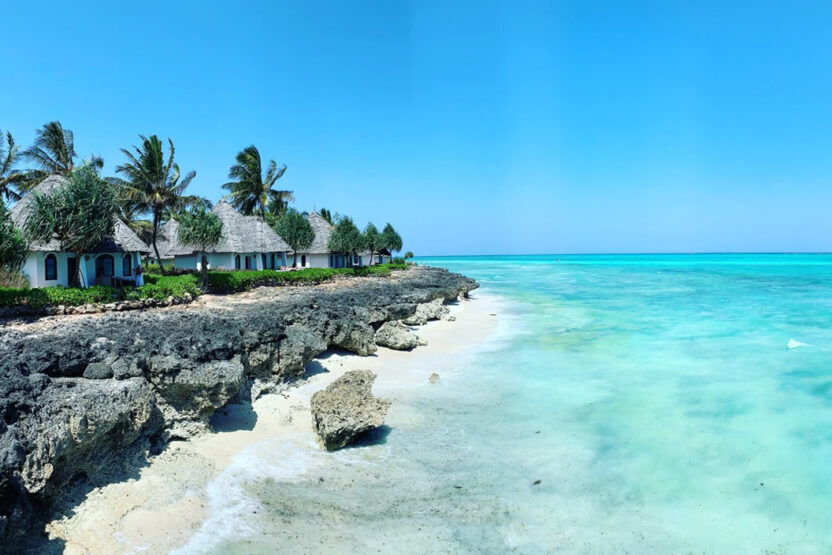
(92, 396)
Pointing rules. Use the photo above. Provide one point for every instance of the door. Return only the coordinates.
(104, 270)
(71, 269)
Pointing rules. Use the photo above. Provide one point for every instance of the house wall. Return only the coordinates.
(35, 268)
(225, 261)
(312, 260)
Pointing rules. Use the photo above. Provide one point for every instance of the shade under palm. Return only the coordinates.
(250, 191)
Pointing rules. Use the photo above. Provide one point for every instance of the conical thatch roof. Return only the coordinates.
(323, 229)
(122, 240)
(240, 234)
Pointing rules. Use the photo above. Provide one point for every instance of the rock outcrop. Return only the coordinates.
(395, 335)
(426, 312)
(346, 409)
(81, 395)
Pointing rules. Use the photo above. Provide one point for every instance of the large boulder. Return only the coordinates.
(359, 339)
(346, 409)
(395, 335)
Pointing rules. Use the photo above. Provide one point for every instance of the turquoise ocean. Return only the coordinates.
(627, 404)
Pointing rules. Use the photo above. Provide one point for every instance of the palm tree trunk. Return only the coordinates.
(156, 217)
(75, 281)
(204, 272)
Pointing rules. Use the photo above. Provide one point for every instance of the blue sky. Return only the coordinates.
(474, 127)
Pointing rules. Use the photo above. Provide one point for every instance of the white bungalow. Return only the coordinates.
(47, 266)
(248, 243)
(318, 254)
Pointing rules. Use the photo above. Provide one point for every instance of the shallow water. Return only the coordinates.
(665, 403)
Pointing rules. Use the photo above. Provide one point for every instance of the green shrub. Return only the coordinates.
(54, 296)
(157, 287)
(161, 287)
(242, 280)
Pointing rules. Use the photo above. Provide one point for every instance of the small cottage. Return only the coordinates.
(114, 260)
(248, 243)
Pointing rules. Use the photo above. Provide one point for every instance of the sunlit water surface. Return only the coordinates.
(665, 404)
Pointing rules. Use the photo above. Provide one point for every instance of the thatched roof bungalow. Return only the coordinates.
(47, 265)
(248, 243)
(318, 254)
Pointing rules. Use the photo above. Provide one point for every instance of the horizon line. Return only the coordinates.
(664, 253)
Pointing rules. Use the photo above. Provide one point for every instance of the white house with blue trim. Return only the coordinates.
(248, 243)
(47, 265)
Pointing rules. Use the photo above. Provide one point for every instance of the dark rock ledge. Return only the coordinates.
(88, 396)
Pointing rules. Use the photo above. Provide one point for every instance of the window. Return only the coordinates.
(272, 260)
(303, 261)
(51, 267)
(237, 262)
(248, 263)
(127, 265)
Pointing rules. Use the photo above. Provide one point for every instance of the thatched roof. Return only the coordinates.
(122, 240)
(323, 230)
(240, 234)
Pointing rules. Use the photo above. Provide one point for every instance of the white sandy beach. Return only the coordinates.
(171, 499)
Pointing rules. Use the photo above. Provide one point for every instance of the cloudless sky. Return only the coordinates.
(474, 127)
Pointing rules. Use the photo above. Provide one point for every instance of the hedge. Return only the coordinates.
(161, 287)
(242, 280)
(156, 287)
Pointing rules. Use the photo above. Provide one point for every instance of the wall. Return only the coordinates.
(35, 267)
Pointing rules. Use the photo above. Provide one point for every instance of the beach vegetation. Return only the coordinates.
(202, 229)
(372, 240)
(408, 255)
(13, 246)
(10, 178)
(390, 239)
(161, 287)
(296, 231)
(53, 152)
(346, 238)
(251, 191)
(79, 215)
(153, 184)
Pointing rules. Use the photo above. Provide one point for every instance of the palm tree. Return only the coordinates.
(251, 193)
(53, 153)
(133, 214)
(153, 184)
(9, 178)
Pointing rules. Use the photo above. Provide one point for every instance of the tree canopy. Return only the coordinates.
(201, 229)
(251, 192)
(153, 184)
(13, 248)
(345, 238)
(53, 152)
(372, 240)
(327, 215)
(390, 239)
(10, 179)
(79, 214)
(296, 231)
